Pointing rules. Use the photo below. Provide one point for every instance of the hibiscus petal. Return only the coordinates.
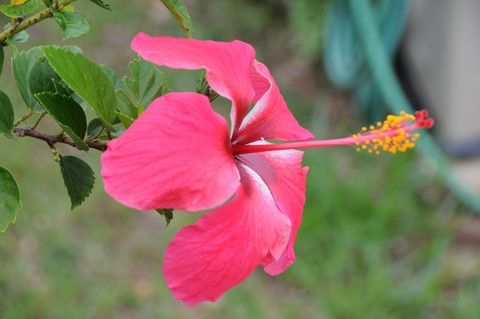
(177, 154)
(223, 247)
(285, 177)
(270, 118)
(227, 63)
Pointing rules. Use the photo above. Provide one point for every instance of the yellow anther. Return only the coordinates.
(392, 135)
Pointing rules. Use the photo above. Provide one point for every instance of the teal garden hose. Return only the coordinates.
(361, 37)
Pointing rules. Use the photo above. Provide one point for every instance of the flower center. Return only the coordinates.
(391, 136)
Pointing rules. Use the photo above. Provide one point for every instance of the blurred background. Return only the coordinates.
(381, 237)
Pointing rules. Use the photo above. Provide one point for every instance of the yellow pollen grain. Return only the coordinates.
(391, 135)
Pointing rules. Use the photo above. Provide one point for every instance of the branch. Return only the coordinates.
(42, 15)
(54, 139)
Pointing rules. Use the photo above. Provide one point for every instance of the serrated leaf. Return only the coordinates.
(180, 13)
(78, 178)
(68, 114)
(22, 63)
(72, 48)
(6, 115)
(102, 4)
(147, 82)
(87, 79)
(9, 199)
(41, 77)
(114, 78)
(72, 24)
(167, 213)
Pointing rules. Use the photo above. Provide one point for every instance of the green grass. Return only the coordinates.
(374, 243)
(380, 237)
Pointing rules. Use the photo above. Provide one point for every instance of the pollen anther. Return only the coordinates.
(394, 134)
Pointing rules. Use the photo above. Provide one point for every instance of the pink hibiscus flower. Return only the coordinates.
(180, 154)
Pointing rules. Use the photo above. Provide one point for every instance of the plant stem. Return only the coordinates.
(24, 118)
(38, 120)
(36, 18)
(51, 140)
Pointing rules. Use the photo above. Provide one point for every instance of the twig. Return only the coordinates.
(36, 18)
(51, 140)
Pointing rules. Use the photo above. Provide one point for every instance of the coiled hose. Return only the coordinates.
(361, 37)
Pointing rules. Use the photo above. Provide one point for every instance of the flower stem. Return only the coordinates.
(394, 134)
(245, 149)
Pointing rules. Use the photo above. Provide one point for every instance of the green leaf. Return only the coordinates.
(127, 112)
(147, 82)
(68, 114)
(180, 13)
(114, 78)
(41, 77)
(87, 79)
(72, 24)
(61, 88)
(102, 4)
(125, 119)
(78, 178)
(20, 37)
(140, 110)
(167, 213)
(22, 63)
(204, 88)
(48, 3)
(2, 57)
(11, 10)
(9, 199)
(6, 115)
(31, 6)
(73, 49)
(125, 105)
(95, 127)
